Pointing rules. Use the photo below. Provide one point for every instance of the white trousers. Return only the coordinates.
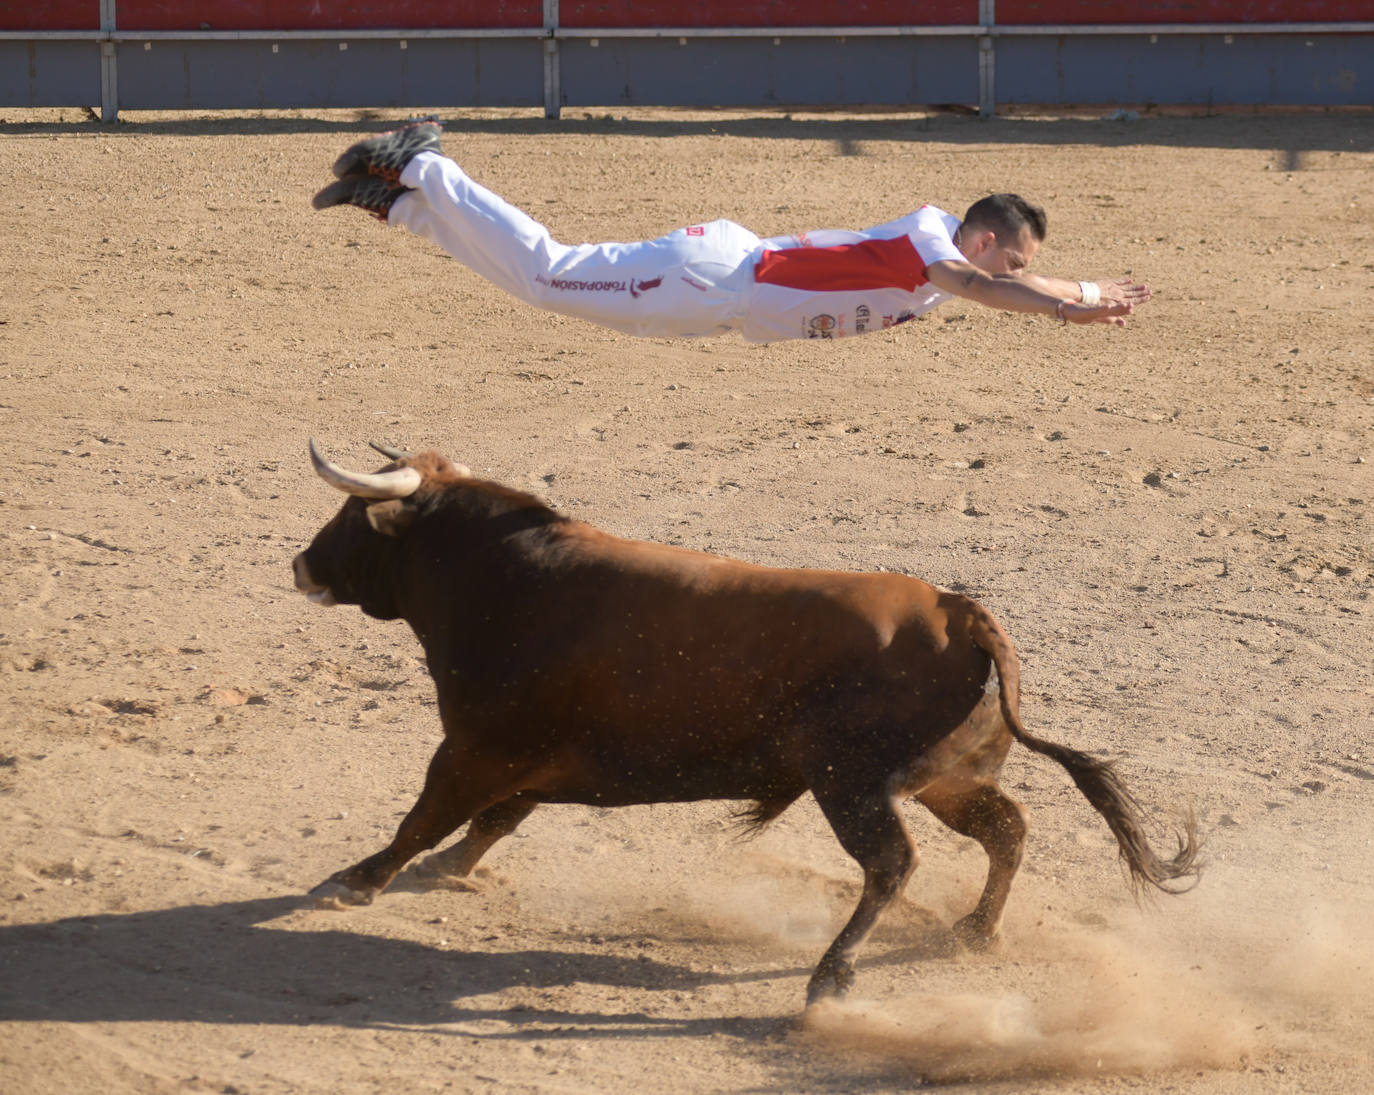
(693, 282)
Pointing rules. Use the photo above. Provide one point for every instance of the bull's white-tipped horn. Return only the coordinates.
(389, 452)
(398, 483)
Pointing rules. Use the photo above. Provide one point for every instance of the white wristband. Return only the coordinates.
(1092, 294)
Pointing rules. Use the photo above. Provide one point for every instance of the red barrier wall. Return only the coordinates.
(1113, 12)
(764, 13)
(54, 15)
(427, 14)
(312, 15)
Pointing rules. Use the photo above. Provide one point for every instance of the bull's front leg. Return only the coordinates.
(453, 865)
(452, 794)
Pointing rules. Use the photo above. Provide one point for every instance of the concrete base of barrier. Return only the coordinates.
(921, 66)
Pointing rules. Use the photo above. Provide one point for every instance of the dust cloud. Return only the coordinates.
(1248, 967)
(1211, 981)
(1123, 1014)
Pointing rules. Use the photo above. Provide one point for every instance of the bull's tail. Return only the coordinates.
(1097, 779)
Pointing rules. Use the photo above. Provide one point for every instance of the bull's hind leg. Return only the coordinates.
(872, 832)
(458, 786)
(486, 829)
(984, 812)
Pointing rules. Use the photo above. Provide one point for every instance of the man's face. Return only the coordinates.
(993, 255)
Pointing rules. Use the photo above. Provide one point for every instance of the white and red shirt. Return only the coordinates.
(835, 283)
(697, 281)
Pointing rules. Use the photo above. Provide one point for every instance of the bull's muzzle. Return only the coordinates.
(314, 592)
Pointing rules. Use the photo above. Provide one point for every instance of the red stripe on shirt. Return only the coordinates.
(873, 264)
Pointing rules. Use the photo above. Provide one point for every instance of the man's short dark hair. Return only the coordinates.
(1005, 215)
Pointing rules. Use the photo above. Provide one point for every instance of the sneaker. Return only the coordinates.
(387, 154)
(368, 192)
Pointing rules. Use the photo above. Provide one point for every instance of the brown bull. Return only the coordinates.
(574, 666)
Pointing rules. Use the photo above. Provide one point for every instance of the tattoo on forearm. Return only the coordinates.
(969, 278)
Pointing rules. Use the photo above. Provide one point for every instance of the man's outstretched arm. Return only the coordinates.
(1041, 295)
(1124, 291)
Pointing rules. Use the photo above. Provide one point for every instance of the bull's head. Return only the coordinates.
(347, 562)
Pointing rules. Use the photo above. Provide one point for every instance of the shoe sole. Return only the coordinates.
(342, 193)
(354, 159)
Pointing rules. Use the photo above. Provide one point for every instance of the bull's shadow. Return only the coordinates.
(226, 963)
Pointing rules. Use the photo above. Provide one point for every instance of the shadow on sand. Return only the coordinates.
(1290, 134)
(228, 964)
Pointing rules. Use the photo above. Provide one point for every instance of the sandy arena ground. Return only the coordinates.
(1173, 521)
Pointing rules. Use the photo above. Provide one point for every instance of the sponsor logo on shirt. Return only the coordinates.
(822, 326)
(861, 317)
(576, 285)
(697, 230)
(893, 321)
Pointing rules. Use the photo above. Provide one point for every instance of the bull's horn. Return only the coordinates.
(397, 483)
(389, 453)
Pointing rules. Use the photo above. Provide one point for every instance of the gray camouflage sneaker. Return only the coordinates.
(369, 192)
(386, 155)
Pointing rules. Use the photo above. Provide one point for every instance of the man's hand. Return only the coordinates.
(1119, 299)
(1124, 291)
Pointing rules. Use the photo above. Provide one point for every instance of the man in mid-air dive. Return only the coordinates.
(707, 279)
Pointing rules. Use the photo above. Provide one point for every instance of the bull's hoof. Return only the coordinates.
(830, 983)
(335, 895)
(972, 934)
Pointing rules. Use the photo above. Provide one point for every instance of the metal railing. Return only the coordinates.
(985, 34)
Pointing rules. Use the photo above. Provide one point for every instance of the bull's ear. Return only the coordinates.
(392, 517)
